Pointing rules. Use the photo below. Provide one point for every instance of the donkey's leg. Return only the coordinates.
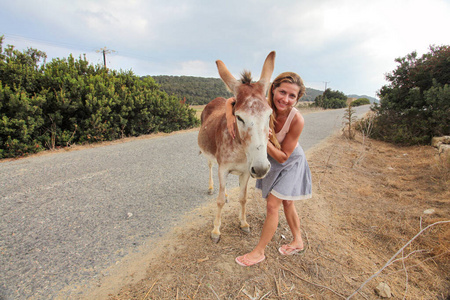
(243, 182)
(211, 182)
(215, 234)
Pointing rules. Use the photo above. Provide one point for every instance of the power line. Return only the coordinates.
(75, 47)
(105, 51)
(46, 42)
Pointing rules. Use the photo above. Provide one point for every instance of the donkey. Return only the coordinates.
(246, 155)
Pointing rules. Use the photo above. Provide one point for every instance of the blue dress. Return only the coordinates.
(290, 180)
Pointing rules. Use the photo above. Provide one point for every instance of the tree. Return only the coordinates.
(360, 101)
(331, 99)
(415, 105)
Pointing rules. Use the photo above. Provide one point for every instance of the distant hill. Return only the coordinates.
(372, 99)
(201, 90)
(311, 94)
(196, 90)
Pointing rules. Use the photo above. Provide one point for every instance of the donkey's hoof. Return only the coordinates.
(245, 229)
(211, 191)
(215, 238)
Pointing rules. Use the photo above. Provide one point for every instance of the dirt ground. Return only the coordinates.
(370, 200)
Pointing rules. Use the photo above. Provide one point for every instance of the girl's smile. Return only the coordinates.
(285, 96)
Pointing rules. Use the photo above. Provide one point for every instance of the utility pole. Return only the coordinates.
(323, 95)
(105, 51)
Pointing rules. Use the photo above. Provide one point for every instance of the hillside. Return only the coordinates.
(197, 90)
(201, 90)
(372, 99)
(311, 94)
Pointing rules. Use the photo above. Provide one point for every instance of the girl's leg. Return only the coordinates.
(269, 228)
(294, 224)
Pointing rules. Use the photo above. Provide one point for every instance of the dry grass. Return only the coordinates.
(358, 218)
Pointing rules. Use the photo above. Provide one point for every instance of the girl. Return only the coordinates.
(289, 177)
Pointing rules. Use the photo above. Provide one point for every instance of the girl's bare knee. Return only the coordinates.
(273, 204)
(288, 204)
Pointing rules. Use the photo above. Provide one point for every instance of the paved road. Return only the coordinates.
(65, 217)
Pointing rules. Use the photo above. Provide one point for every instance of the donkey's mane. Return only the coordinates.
(246, 77)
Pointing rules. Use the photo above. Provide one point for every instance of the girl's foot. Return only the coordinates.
(245, 261)
(290, 250)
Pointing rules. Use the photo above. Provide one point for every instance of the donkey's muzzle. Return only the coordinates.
(260, 171)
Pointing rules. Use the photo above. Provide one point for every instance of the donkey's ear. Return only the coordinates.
(231, 82)
(266, 73)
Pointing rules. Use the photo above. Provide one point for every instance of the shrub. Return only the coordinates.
(331, 99)
(360, 101)
(415, 106)
(349, 121)
(49, 105)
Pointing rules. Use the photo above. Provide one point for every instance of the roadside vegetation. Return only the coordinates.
(331, 99)
(415, 105)
(48, 105)
(360, 101)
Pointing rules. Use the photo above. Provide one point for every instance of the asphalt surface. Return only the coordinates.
(65, 217)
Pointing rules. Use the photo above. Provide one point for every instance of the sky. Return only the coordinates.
(345, 45)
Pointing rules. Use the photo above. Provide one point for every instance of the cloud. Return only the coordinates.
(349, 43)
(195, 68)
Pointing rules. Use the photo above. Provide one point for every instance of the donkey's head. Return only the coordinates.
(252, 114)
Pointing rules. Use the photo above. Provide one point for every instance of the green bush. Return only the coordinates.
(415, 106)
(68, 101)
(360, 101)
(331, 99)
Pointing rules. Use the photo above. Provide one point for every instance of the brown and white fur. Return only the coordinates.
(246, 155)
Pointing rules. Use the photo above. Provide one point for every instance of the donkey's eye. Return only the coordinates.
(240, 119)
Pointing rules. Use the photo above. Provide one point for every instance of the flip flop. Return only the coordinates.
(245, 262)
(289, 250)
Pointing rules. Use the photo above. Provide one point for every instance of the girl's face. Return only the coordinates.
(285, 96)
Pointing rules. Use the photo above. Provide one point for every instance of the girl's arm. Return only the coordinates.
(231, 119)
(290, 141)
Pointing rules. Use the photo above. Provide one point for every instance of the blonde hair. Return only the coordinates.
(288, 77)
